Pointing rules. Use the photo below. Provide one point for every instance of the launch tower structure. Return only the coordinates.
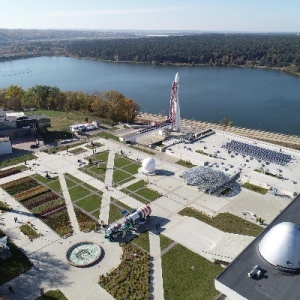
(174, 113)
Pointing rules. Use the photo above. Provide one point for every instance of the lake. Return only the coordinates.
(253, 98)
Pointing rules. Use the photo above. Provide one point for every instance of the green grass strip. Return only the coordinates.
(225, 222)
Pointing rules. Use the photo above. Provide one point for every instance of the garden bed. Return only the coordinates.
(29, 231)
(255, 188)
(130, 280)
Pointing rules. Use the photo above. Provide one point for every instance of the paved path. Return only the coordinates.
(105, 203)
(156, 280)
(69, 204)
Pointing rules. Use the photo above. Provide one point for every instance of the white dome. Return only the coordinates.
(148, 165)
(281, 246)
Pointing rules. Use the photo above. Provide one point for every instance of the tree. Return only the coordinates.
(14, 95)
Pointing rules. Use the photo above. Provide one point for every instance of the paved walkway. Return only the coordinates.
(105, 203)
(156, 279)
(69, 203)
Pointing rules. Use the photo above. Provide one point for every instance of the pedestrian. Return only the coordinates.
(16, 219)
(10, 288)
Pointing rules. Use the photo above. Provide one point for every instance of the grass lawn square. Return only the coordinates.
(121, 162)
(149, 194)
(99, 171)
(90, 203)
(138, 185)
(119, 176)
(142, 240)
(187, 275)
(114, 213)
(165, 242)
(96, 213)
(78, 192)
(132, 168)
(70, 182)
(55, 185)
(100, 156)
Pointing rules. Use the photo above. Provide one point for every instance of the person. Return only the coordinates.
(10, 288)
(16, 219)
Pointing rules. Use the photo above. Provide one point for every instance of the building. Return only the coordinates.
(5, 145)
(269, 268)
(12, 120)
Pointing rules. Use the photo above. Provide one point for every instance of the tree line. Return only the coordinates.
(251, 50)
(109, 104)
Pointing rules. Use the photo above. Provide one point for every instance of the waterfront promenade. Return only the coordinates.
(272, 137)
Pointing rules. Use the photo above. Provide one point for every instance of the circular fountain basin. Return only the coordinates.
(83, 254)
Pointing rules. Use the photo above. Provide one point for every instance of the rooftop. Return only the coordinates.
(274, 284)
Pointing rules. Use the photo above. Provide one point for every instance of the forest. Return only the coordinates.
(109, 105)
(279, 51)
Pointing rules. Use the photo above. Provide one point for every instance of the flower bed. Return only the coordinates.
(40, 199)
(19, 185)
(130, 280)
(59, 221)
(9, 172)
(85, 222)
(48, 206)
(37, 190)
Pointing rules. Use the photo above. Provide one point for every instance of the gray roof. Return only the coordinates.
(275, 284)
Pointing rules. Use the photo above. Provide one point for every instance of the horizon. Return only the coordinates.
(116, 15)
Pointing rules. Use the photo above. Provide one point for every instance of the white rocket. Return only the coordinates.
(176, 123)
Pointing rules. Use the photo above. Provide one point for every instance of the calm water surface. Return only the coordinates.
(253, 98)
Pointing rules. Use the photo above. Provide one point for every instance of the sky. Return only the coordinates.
(203, 15)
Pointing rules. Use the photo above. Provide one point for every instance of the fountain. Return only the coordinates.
(83, 254)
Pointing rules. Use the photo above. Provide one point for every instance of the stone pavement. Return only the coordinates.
(69, 204)
(156, 279)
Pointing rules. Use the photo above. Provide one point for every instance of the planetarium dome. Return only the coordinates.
(148, 166)
(281, 246)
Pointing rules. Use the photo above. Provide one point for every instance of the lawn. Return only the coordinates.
(90, 203)
(148, 194)
(142, 240)
(78, 192)
(120, 176)
(185, 163)
(187, 275)
(14, 266)
(114, 213)
(132, 168)
(165, 242)
(96, 213)
(55, 185)
(255, 188)
(225, 222)
(121, 161)
(107, 135)
(137, 185)
(16, 160)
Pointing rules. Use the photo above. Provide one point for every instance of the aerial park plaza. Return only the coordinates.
(229, 199)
